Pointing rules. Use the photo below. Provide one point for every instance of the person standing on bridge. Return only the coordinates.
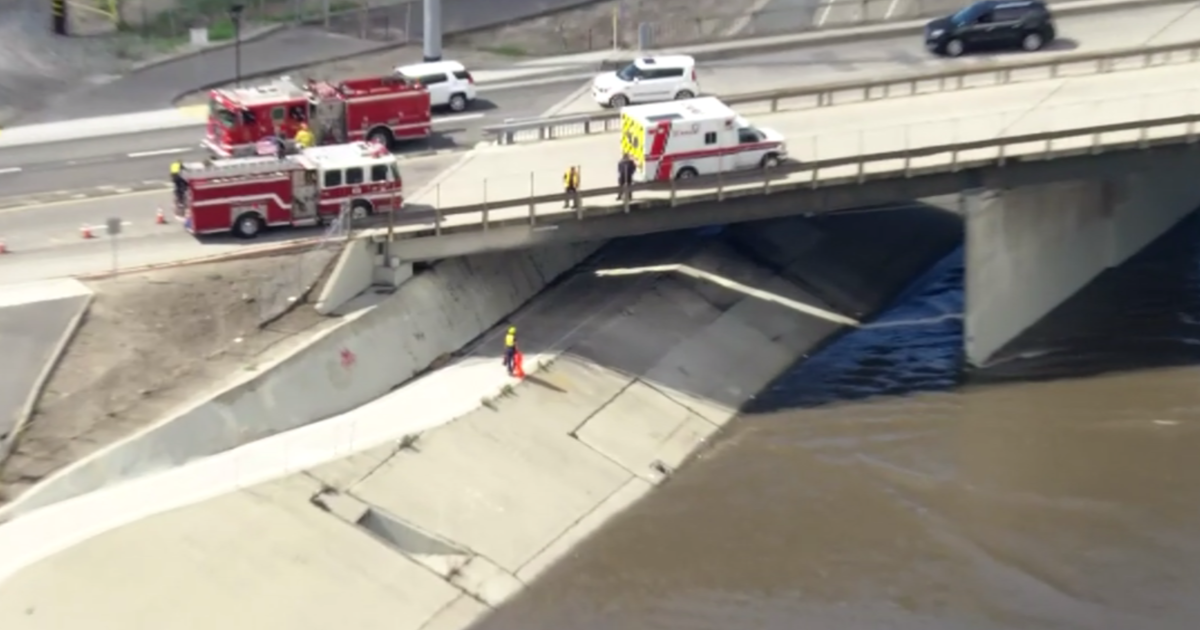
(510, 349)
(571, 187)
(625, 171)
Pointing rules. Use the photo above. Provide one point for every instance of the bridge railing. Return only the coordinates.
(840, 93)
(816, 174)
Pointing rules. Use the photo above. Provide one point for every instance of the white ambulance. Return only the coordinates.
(700, 136)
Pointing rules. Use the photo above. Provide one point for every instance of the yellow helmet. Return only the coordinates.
(512, 330)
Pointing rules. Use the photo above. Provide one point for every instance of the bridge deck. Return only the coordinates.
(498, 174)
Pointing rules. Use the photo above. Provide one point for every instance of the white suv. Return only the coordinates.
(646, 80)
(448, 82)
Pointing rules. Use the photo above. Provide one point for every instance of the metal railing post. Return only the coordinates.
(437, 219)
(485, 205)
(532, 195)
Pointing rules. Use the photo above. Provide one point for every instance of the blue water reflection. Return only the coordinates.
(915, 345)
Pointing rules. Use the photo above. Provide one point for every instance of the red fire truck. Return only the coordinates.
(246, 195)
(378, 109)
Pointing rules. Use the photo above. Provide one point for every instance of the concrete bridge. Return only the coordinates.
(1059, 179)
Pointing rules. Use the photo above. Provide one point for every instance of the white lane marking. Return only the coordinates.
(456, 118)
(94, 228)
(158, 152)
(11, 169)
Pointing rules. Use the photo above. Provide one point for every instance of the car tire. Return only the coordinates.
(618, 101)
(771, 160)
(683, 95)
(955, 48)
(1032, 42)
(458, 102)
(687, 172)
(248, 225)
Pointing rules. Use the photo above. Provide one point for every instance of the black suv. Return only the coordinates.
(993, 24)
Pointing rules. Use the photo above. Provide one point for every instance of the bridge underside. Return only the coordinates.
(1037, 231)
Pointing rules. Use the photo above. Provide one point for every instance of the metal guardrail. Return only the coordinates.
(831, 94)
(1038, 145)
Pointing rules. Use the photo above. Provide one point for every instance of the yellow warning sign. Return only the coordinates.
(633, 139)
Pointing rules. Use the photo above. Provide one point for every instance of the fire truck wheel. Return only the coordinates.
(618, 101)
(458, 102)
(380, 136)
(360, 210)
(248, 225)
(686, 172)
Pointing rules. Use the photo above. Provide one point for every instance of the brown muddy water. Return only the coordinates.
(869, 489)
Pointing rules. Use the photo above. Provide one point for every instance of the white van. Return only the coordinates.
(450, 85)
(646, 80)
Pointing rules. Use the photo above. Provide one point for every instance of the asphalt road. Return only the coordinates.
(61, 186)
(29, 334)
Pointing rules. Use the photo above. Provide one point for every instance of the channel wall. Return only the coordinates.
(492, 501)
(430, 316)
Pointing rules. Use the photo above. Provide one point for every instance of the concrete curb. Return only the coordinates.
(39, 386)
(865, 31)
(257, 35)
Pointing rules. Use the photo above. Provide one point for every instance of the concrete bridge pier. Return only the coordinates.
(363, 263)
(1031, 246)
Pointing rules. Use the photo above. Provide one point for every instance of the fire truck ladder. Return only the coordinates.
(246, 166)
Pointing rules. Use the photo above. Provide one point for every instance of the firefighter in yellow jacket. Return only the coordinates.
(304, 137)
(571, 187)
(510, 349)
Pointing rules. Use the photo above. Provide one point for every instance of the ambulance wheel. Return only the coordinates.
(618, 101)
(770, 160)
(686, 172)
(684, 95)
(248, 225)
(458, 102)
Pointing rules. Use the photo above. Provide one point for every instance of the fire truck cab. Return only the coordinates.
(377, 109)
(246, 195)
(700, 136)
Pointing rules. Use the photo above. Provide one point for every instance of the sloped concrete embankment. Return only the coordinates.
(490, 502)
(433, 314)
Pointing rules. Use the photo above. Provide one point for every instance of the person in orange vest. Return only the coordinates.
(571, 187)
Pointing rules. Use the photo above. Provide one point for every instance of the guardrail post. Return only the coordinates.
(721, 178)
(774, 105)
(1191, 132)
(1000, 159)
(767, 181)
(437, 210)
(1095, 148)
(532, 206)
(485, 206)
(672, 192)
(1143, 137)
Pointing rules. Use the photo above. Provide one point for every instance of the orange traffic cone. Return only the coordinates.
(518, 365)
(85, 231)
(160, 218)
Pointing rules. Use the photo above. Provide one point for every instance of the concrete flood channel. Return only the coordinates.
(648, 346)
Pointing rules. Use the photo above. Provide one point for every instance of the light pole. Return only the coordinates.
(235, 14)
